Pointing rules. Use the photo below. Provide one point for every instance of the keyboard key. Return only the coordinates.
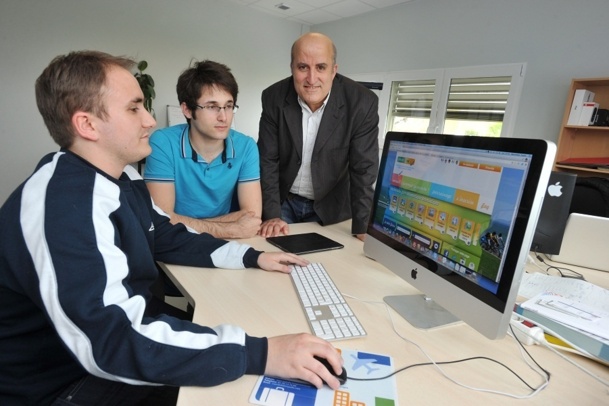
(328, 314)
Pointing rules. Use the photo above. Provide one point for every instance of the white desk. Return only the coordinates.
(265, 304)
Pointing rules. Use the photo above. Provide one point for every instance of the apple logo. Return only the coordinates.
(413, 273)
(555, 190)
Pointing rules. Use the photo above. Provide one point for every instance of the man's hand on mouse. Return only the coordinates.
(292, 356)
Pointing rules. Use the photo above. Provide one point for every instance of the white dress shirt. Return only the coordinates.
(303, 184)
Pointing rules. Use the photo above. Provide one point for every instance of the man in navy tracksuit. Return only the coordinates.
(78, 244)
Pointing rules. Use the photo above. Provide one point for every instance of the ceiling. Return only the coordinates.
(311, 12)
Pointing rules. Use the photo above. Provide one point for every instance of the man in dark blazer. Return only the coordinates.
(327, 174)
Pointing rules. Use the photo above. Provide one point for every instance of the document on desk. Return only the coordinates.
(270, 391)
(575, 314)
(533, 284)
(569, 299)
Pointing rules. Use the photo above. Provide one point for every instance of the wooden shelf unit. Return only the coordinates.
(584, 141)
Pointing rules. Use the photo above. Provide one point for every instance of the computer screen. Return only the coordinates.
(454, 216)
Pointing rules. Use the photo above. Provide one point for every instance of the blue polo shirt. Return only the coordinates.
(203, 189)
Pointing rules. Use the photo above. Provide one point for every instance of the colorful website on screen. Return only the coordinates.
(453, 205)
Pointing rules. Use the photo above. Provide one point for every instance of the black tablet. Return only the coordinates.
(304, 243)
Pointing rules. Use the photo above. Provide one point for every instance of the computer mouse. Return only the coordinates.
(342, 378)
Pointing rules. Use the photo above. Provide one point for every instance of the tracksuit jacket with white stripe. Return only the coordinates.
(77, 259)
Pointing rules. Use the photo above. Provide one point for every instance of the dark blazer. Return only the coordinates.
(345, 156)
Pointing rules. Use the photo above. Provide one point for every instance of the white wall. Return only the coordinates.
(558, 39)
(166, 33)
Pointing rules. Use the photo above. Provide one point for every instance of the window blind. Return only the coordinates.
(412, 98)
(483, 99)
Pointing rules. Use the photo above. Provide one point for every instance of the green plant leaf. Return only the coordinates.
(146, 84)
(151, 92)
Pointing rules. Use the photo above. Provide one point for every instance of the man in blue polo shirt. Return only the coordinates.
(205, 174)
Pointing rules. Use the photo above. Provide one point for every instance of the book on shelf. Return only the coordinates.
(581, 96)
(587, 162)
(588, 111)
(601, 118)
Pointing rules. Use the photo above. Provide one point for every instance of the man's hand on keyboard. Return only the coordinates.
(278, 261)
(292, 357)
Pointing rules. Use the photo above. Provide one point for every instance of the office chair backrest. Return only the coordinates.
(591, 196)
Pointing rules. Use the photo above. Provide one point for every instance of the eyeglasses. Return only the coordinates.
(212, 108)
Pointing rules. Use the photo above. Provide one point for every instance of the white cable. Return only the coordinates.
(577, 349)
(555, 334)
(527, 359)
(530, 395)
(532, 261)
(596, 377)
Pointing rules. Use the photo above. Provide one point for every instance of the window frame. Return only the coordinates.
(443, 79)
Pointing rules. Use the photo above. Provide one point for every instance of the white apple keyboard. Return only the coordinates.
(328, 314)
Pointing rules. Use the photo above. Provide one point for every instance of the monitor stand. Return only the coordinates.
(421, 311)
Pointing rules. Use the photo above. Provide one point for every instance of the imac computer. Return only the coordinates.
(554, 213)
(454, 216)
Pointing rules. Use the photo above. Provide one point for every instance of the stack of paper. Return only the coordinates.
(576, 310)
